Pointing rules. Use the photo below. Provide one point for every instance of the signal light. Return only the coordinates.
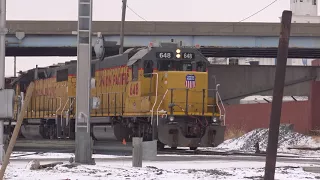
(178, 51)
(178, 56)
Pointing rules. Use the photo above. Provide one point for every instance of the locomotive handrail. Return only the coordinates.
(59, 106)
(155, 102)
(61, 118)
(224, 109)
(160, 105)
(70, 105)
(67, 115)
(64, 107)
(184, 89)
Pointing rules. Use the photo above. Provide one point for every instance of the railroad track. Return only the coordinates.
(115, 148)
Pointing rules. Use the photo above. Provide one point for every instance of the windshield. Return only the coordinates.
(167, 65)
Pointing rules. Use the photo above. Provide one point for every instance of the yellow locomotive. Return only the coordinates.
(151, 92)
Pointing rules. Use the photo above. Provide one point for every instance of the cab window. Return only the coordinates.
(148, 68)
(135, 72)
(167, 65)
(62, 75)
(185, 66)
(201, 67)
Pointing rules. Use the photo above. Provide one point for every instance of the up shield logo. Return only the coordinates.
(190, 81)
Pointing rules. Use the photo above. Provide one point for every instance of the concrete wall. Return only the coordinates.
(315, 62)
(305, 115)
(251, 116)
(240, 81)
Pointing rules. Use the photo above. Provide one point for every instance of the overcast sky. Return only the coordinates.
(151, 10)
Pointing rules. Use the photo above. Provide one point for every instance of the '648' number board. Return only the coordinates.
(187, 55)
(164, 55)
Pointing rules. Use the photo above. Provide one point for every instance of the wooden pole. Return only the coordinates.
(16, 129)
(278, 95)
(137, 152)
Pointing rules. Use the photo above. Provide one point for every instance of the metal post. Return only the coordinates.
(3, 32)
(15, 66)
(83, 152)
(278, 95)
(124, 8)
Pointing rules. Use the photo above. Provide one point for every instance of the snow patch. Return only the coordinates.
(33, 165)
(287, 138)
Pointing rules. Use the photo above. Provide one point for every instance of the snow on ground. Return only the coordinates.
(113, 167)
(175, 170)
(34, 155)
(287, 138)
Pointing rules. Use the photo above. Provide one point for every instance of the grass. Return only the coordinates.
(233, 132)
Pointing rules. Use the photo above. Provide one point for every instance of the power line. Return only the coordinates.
(259, 11)
(253, 13)
(136, 13)
(226, 26)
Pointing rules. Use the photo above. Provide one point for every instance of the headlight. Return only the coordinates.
(171, 118)
(215, 120)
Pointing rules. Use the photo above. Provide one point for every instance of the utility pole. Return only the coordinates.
(123, 19)
(83, 152)
(3, 32)
(15, 66)
(278, 95)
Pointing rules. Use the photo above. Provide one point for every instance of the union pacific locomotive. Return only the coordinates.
(151, 92)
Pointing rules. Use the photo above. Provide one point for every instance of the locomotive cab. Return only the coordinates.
(178, 87)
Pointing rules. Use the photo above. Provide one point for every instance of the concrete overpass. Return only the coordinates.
(238, 82)
(218, 39)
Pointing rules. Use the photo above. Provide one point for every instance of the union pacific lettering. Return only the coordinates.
(112, 77)
(49, 91)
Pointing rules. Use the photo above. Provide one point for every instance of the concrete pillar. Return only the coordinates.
(149, 150)
(83, 152)
(3, 32)
(137, 152)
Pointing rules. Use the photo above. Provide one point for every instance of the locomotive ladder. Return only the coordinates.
(64, 122)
